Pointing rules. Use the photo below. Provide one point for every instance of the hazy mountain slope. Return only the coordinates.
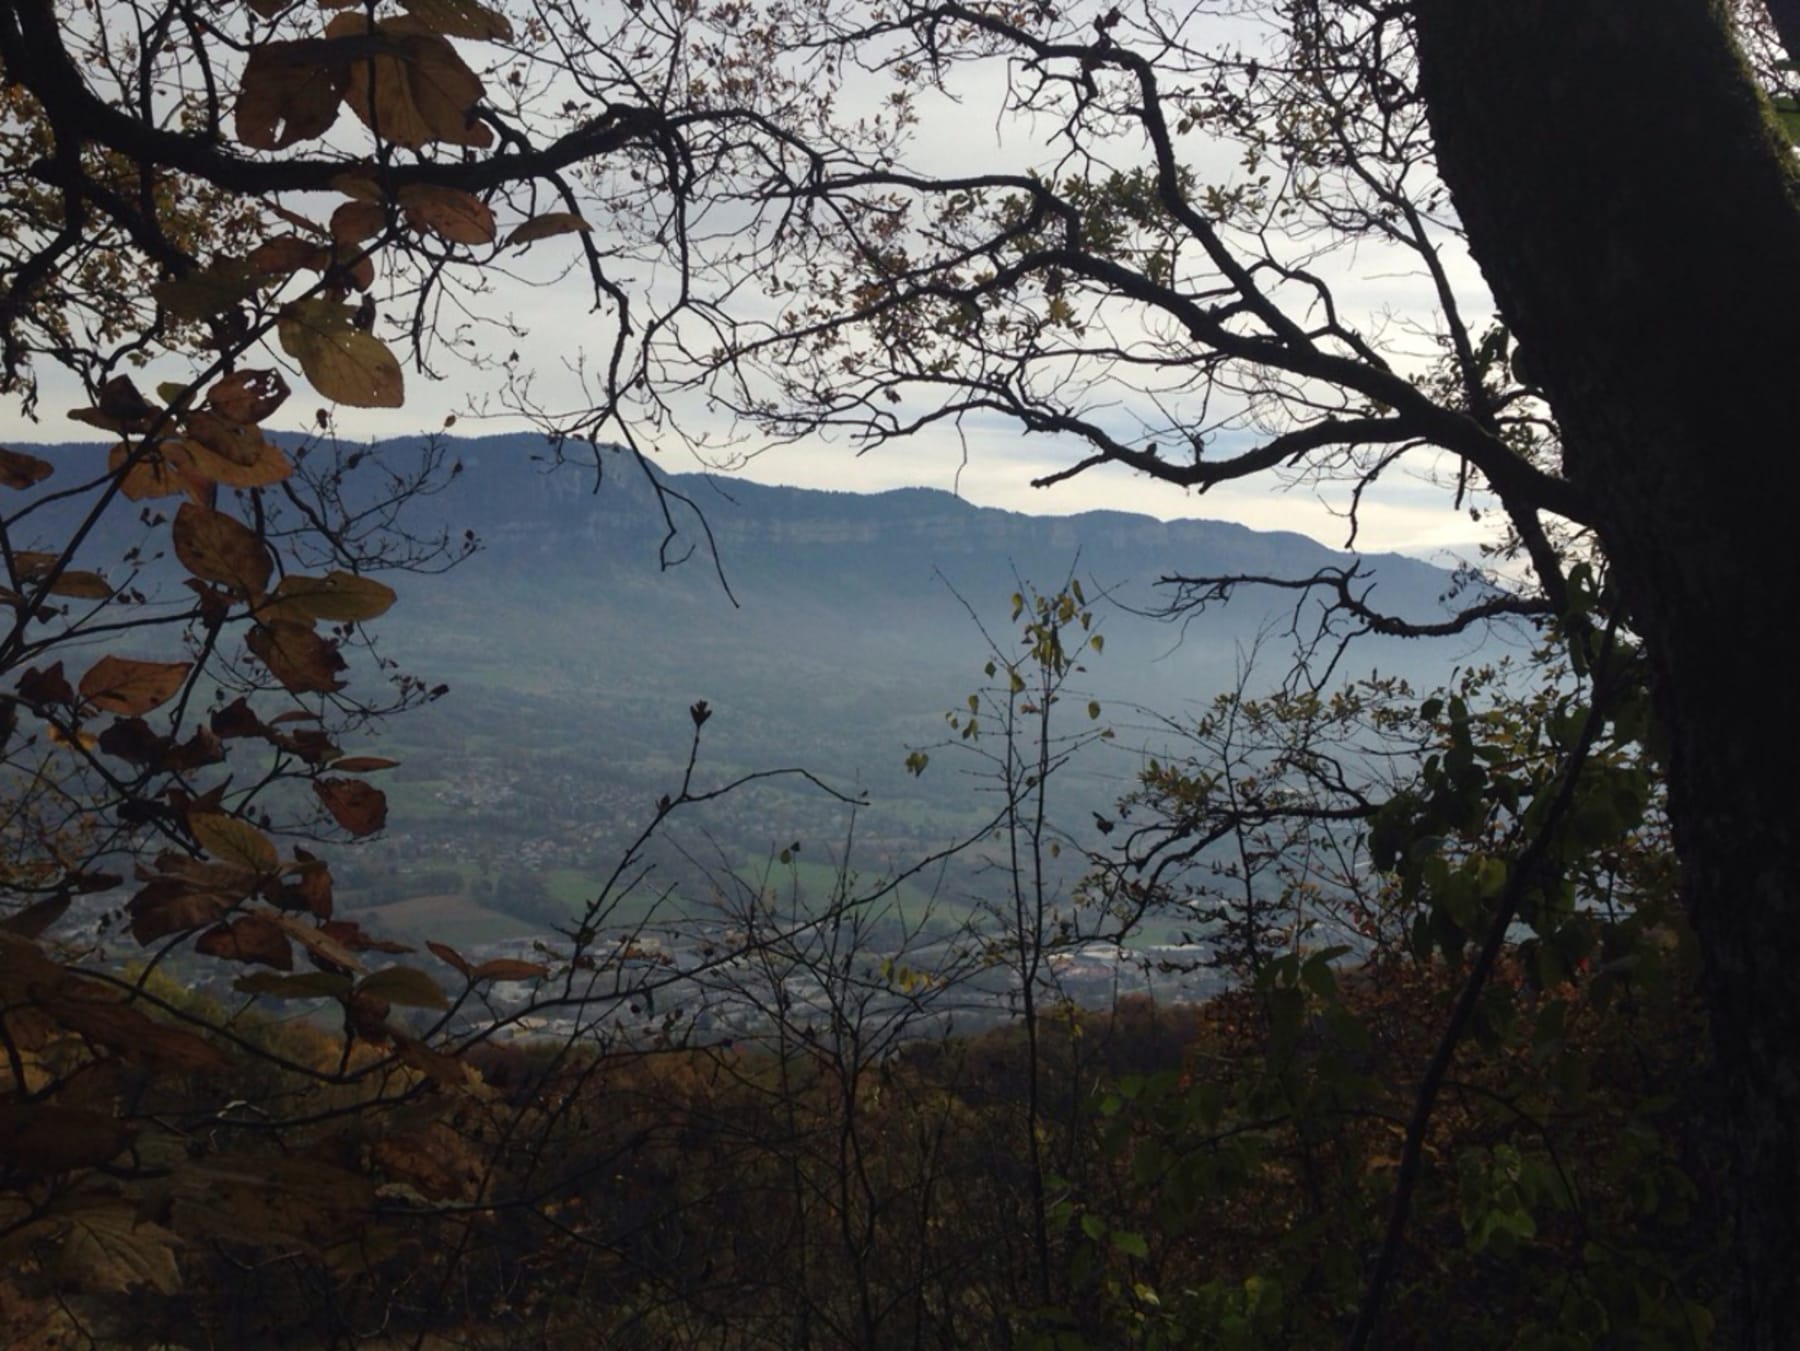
(573, 655)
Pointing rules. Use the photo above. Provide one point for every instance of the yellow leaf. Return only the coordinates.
(81, 586)
(31, 566)
(233, 453)
(233, 841)
(337, 597)
(546, 225)
(163, 470)
(78, 738)
(342, 362)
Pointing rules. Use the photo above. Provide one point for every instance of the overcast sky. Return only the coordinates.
(990, 463)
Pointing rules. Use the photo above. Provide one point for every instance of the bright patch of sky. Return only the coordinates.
(988, 462)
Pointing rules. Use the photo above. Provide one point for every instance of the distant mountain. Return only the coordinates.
(861, 561)
(851, 624)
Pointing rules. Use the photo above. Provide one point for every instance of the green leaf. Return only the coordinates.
(233, 841)
(311, 985)
(207, 292)
(1132, 1245)
(404, 985)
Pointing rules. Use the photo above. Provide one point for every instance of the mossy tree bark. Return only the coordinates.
(1637, 215)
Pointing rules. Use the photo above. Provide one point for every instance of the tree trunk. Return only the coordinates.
(1637, 215)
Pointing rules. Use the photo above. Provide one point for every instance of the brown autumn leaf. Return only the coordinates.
(247, 396)
(129, 688)
(509, 968)
(296, 656)
(310, 889)
(352, 935)
(163, 470)
(434, 1160)
(366, 1017)
(285, 255)
(48, 686)
(363, 764)
(233, 453)
(219, 548)
(309, 743)
(343, 363)
(111, 1248)
(131, 740)
(248, 938)
(461, 19)
(122, 408)
(448, 213)
(286, 94)
(167, 905)
(18, 470)
(32, 920)
(234, 841)
(199, 750)
(358, 807)
(171, 903)
(546, 225)
(418, 92)
(356, 221)
(444, 952)
(274, 1198)
(433, 1064)
(337, 597)
(40, 1137)
(99, 1014)
(321, 945)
